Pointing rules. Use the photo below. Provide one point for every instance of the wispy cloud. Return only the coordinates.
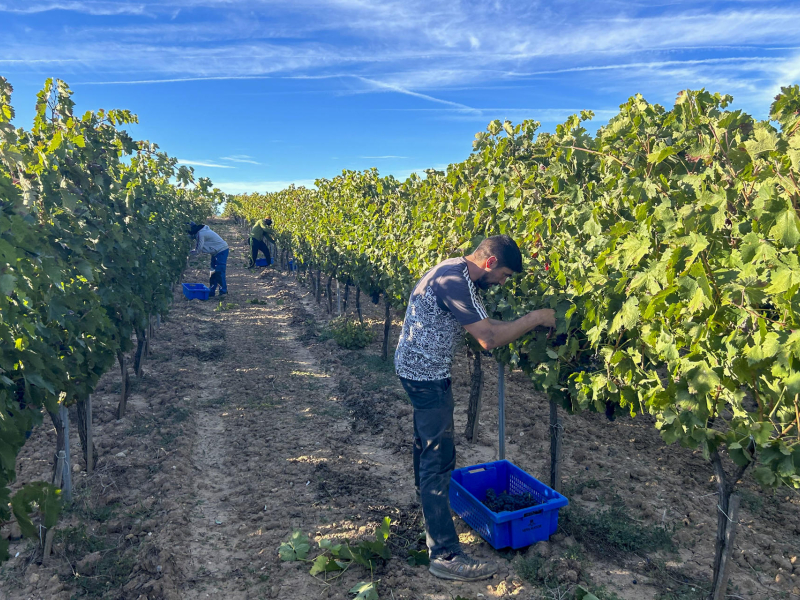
(788, 73)
(32, 61)
(452, 60)
(171, 80)
(754, 61)
(90, 8)
(240, 158)
(423, 45)
(204, 163)
(379, 85)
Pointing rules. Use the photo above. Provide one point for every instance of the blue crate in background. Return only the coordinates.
(515, 529)
(194, 291)
(262, 262)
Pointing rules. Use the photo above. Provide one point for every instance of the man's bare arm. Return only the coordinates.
(492, 334)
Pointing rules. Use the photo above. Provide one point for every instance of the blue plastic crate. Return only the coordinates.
(515, 529)
(261, 262)
(195, 291)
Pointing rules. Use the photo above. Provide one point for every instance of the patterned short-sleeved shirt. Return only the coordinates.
(442, 303)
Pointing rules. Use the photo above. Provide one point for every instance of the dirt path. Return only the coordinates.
(246, 425)
(281, 442)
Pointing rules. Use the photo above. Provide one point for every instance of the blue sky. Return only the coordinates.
(259, 94)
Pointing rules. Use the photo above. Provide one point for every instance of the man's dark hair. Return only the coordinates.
(194, 228)
(268, 221)
(504, 249)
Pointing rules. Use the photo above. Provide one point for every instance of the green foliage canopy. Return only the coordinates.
(667, 243)
(91, 239)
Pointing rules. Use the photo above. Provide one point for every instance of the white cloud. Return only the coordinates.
(423, 48)
(788, 74)
(738, 62)
(37, 60)
(173, 80)
(379, 85)
(91, 8)
(240, 158)
(452, 41)
(204, 163)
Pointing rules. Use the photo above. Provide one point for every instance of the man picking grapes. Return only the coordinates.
(260, 236)
(443, 302)
(209, 242)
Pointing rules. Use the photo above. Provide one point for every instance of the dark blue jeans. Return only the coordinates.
(434, 460)
(219, 264)
(256, 246)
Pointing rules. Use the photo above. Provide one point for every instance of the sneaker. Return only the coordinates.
(223, 293)
(461, 567)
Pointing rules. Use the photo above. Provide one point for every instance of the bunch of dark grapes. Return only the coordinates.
(590, 364)
(510, 502)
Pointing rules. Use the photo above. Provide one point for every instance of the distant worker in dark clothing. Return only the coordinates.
(208, 242)
(260, 236)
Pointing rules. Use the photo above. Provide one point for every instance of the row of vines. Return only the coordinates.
(667, 243)
(92, 238)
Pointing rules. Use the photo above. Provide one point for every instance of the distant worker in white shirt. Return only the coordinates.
(208, 242)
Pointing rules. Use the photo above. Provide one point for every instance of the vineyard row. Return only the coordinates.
(667, 243)
(92, 238)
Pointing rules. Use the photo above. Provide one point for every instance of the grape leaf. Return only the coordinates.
(365, 591)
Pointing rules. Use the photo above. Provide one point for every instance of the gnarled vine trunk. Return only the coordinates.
(727, 517)
(138, 357)
(387, 329)
(85, 432)
(358, 304)
(61, 423)
(329, 294)
(123, 395)
(55, 417)
(555, 447)
(475, 393)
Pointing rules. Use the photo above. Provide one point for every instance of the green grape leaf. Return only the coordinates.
(365, 591)
(581, 593)
(324, 564)
(627, 316)
(787, 228)
(296, 548)
(765, 141)
(660, 154)
(764, 476)
(7, 284)
(418, 558)
(42, 495)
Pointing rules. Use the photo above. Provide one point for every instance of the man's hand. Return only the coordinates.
(492, 334)
(546, 317)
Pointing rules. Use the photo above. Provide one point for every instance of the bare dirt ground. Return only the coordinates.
(246, 426)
